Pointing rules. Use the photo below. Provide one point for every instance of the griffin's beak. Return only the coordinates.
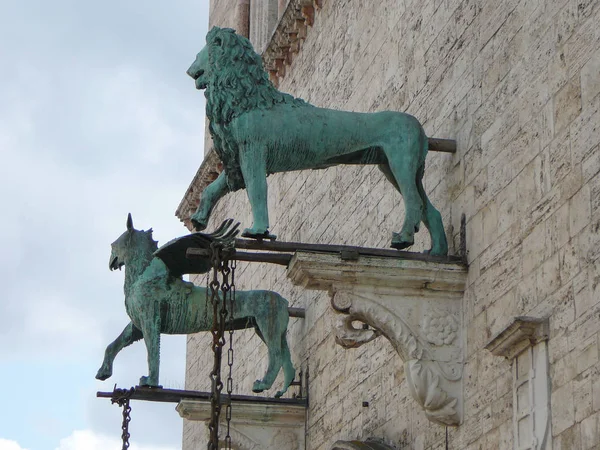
(113, 263)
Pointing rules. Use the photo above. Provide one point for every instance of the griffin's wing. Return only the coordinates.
(174, 252)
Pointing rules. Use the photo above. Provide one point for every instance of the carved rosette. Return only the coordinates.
(415, 305)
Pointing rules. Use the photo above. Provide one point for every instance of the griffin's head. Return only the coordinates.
(131, 244)
(199, 69)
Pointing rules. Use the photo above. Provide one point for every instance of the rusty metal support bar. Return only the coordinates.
(297, 312)
(292, 247)
(176, 395)
(442, 145)
(346, 252)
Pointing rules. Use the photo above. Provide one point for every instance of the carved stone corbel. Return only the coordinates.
(416, 305)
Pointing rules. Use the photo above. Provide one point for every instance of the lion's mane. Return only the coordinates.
(237, 84)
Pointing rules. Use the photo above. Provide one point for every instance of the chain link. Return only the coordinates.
(230, 354)
(121, 397)
(125, 426)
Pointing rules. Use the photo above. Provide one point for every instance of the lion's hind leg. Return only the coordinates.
(432, 220)
(401, 171)
(289, 373)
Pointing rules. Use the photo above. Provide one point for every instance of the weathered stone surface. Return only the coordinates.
(415, 305)
(492, 75)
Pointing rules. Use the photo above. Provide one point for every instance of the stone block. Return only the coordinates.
(580, 211)
(563, 417)
(567, 104)
(590, 79)
(590, 432)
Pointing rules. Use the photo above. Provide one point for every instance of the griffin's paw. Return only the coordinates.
(259, 386)
(103, 373)
(280, 393)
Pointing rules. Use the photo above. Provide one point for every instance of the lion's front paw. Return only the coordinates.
(200, 223)
(104, 373)
(258, 234)
(401, 241)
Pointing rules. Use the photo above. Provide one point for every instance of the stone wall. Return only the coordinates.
(517, 84)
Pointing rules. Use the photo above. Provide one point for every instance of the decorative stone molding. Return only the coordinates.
(288, 36)
(523, 341)
(208, 172)
(255, 426)
(521, 333)
(416, 305)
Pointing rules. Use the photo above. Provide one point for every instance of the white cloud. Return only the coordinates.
(88, 440)
(5, 444)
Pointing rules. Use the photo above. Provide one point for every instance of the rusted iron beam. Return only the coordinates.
(292, 247)
(442, 145)
(297, 312)
(273, 258)
(176, 395)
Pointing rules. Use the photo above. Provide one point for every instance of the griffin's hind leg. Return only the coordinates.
(272, 325)
(273, 343)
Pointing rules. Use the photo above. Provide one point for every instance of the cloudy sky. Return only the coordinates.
(97, 119)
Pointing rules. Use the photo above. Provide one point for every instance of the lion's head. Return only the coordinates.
(233, 76)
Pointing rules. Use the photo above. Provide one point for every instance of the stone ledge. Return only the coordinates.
(521, 333)
(255, 426)
(415, 305)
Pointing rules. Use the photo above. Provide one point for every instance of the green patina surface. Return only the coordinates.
(258, 130)
(159, 302)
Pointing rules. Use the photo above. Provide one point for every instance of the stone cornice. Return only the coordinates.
(209, 170)
(521, 333)
(288, 36)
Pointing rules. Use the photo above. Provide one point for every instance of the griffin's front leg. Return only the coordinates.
(209, 198)
(127, 337)
(152, 341)
(254, 169)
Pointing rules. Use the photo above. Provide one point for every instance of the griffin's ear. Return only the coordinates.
(129, 222)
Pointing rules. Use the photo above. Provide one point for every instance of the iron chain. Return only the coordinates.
(230, 354)
(121, 397)
(220, 293)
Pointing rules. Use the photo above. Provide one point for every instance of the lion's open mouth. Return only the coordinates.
(200, 84)
(197, 75)
(115, 264)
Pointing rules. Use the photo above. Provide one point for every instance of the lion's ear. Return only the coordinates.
(218, 41)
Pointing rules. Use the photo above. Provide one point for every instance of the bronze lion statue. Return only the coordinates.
(258, 130)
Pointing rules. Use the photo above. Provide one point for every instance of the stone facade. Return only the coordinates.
(517, 84)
